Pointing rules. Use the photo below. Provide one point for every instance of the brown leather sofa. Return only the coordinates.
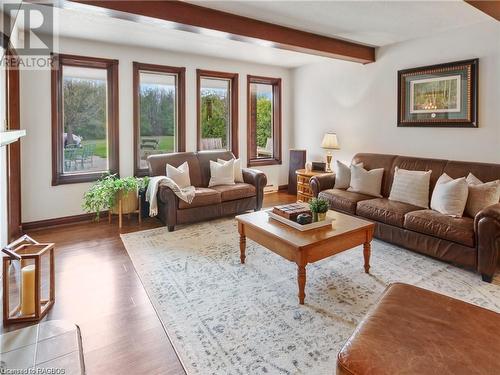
(467, 241)
(208, 203)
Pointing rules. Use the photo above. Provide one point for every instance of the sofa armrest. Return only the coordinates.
(487, 228)
(167, 205)
(321, 182)
(259, 180)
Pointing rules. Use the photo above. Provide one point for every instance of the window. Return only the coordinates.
(159, 112)
(264, 120)
(217, 111)
(84, 118)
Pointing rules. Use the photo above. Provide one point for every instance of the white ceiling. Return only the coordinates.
(375, 23)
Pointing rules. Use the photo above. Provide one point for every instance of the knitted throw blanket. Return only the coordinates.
(186, 194)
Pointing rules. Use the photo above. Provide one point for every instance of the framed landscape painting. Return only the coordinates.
(443, 95)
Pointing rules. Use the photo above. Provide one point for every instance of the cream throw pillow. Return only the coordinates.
(366, 182)
(221, 173)
(450, 196)
(411, 187)
(481, 195)
(342, 175)
(238, 172)
(179, 175)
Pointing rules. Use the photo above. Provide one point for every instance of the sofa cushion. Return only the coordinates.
(481, 195)
(450, 195)
(236, 191)
(179, 175)
(158, 163)
(385, 210)
(238, 172)
(202, 197)
(374, 161)
(221, 173)
(366, 181)
(411, 187)
(342, 200)
(204, 158)
(455, 229)
(342, 175)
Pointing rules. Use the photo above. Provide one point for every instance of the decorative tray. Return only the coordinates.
(302, 227)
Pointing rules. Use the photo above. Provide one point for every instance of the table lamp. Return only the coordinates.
(329, 143)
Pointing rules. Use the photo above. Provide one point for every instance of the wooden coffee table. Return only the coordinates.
(306, 247)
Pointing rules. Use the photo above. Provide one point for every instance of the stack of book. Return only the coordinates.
(291, 211)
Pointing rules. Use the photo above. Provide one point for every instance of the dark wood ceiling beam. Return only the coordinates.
(490, 7)
(193, 18)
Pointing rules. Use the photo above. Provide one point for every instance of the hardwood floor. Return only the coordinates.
(98, 289)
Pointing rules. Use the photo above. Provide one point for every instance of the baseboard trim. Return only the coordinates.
(282, 187)
(58, 221)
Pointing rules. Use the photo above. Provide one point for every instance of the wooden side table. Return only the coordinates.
(304, 192)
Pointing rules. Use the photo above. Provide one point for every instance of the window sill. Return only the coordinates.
(64, 179)
(262, 162)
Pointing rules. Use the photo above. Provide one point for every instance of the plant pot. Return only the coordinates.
(315, 217)
(129, 200)
(321, 216)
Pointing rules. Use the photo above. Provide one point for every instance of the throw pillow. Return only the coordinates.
(179, 175)
(366, 182)
(411, 187)
(238, 172)
(450, 196)
(221, 173)
(342, 175)
(481, 195)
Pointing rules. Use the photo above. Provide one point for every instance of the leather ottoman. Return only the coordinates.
(415, 331)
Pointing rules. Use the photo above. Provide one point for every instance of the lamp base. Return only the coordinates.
(329, 158)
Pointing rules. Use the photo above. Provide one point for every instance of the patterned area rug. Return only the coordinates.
(227, 318)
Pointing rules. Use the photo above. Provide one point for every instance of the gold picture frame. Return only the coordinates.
(443, 95)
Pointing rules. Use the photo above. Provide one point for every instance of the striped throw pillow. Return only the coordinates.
(411, 187)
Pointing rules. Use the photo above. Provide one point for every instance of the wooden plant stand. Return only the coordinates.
(120, 213)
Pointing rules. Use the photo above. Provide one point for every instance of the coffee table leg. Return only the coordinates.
(366, 255)
(301, 279)
(243, 244)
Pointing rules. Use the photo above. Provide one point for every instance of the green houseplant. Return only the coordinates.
(109, 189)
(319, 207)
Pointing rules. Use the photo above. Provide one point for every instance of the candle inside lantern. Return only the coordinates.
(28, 290)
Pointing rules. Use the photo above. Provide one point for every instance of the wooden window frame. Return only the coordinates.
(181, 107)
(13, 170)
(233, 77)
(111, 66)
(252, 159)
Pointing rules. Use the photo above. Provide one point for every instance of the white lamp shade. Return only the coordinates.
(330, 142)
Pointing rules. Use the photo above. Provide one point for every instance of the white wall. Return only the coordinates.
(359, 102)
(43, 201)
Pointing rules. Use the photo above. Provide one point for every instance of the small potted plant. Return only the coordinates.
(106, 192)
(318, 207)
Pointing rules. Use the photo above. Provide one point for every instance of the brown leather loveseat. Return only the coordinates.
(467, 241)
(209, 203)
